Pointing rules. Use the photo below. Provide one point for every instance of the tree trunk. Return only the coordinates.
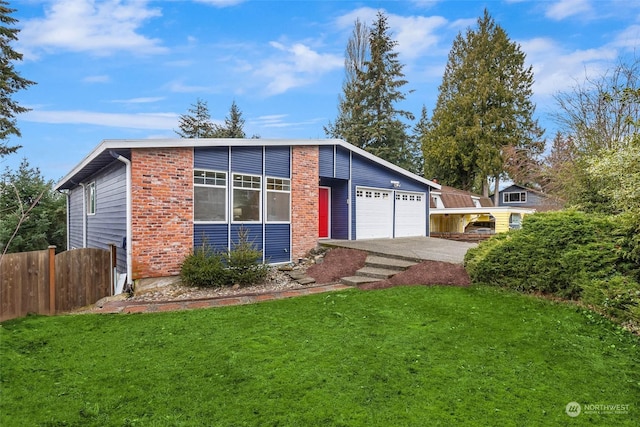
(496, 189)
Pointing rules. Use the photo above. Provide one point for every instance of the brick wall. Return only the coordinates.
(162, 211)
(304, 200)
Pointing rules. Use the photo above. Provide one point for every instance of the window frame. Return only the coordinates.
(92, 199)
(281, 191)
(205, 185)
(233, 196)
(522, 197)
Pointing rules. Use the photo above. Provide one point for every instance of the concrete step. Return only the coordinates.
(357, 280)
(388, 263)
(376, 273)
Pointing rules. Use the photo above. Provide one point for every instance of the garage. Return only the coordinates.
(374, 213)
(411, 214)
(375, 208)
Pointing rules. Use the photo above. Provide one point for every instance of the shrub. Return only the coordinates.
(245, 261)
(204, 267)
(618, 297)
(553, 253)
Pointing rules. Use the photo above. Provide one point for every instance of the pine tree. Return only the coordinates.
(381, 85)
(484, 106)
(10, 80)
(233, 124)
(198, 123)
(367, 114)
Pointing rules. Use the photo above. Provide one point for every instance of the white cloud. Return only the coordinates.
(556, 69)
(157, 121)
(179, 87)
(298, 66)
(416, 34)
(629, 38)
(566, 8)
(90, 26)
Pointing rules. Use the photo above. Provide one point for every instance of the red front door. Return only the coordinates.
(323, 213)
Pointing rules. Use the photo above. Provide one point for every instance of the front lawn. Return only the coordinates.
(406, 356)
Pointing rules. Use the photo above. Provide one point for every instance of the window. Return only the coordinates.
(278, 199)
(209, 195)
(246, 198)
(91, 198)
(515, 221)
(520, 197)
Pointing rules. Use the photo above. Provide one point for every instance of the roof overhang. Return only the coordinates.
(103, 154)
(479, 211)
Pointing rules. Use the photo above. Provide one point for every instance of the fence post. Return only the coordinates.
(52, 280)
(113, 264)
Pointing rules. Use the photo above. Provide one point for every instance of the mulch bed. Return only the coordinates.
(337, 263)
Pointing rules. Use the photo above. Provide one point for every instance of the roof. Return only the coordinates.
(453, 198)
(106, 152)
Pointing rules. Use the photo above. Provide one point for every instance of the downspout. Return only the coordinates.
(127, 163)
(84, 215)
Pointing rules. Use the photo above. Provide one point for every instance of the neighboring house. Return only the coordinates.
(158, 199)
(458, 212)
(523, 197)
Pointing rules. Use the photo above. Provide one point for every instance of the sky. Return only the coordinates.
(127, 69)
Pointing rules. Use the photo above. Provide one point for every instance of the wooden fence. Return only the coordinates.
(42, 282)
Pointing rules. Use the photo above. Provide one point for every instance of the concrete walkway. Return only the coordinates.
(125, 306)
(409, 248)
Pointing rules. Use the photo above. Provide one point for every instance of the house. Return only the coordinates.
(523, 197)
(454, 213)
(158, 199)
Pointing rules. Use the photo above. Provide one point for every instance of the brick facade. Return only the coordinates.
(304, 200)
(162, 210)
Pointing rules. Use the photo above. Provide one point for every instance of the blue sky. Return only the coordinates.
(128, 69)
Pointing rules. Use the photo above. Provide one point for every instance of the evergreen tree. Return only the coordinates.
(483, 107)
(349, 123)
(44, 225)
(381, 85)
(233, 124)
(367, 114)
(10, 80)
(198, 123)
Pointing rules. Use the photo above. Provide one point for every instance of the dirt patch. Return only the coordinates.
(336, 264)
(426, 273)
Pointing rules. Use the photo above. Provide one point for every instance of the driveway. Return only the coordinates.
(411, 248)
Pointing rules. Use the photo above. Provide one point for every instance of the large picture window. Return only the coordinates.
(210, 196)
(278, 200)
(246, 198)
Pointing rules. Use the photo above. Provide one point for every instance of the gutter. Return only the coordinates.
(129, 233)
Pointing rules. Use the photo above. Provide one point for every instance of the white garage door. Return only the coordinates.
(411, 214)
(374, 213)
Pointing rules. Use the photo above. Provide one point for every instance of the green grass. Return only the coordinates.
(410, 356)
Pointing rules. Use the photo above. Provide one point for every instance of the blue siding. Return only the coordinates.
(277, 243)
(343, 163)
(215, 235)
(216, 158)
(246, 160)
(277, 161)
(339, 206)
(368, 173)
(109, 224)
(75, 218)
(326, 160)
